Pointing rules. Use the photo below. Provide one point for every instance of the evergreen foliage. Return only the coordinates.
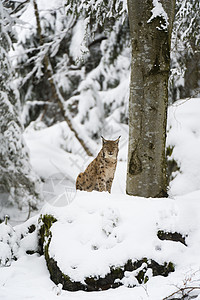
(86, 62)
(85, 42)
(185, 51)
(88, 46)
(17, 178)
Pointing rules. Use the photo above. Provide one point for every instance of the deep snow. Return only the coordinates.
(92, 243)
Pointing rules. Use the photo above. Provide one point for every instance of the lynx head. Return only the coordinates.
(110, 148)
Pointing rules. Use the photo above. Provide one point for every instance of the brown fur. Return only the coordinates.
(99, 174)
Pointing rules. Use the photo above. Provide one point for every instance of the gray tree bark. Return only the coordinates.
(150, 39)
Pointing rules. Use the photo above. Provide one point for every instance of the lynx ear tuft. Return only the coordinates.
(103, 140)
(117, 140)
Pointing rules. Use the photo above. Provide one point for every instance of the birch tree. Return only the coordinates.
(150, 29)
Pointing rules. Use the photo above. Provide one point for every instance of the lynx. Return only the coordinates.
(100, 172)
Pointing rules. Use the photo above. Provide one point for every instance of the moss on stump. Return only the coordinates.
(171, 236)
(111, 280)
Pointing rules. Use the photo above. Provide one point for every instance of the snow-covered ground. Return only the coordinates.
(85, 241)
(184, 135)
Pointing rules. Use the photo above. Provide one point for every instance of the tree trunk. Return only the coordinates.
(150, 28)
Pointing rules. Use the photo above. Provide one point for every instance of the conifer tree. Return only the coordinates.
(18, 182)
(84, 60)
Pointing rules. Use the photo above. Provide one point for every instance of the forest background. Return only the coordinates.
(64, 82)
(71, 63)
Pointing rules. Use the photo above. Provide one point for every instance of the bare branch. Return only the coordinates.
(182, 290)
(55, 91)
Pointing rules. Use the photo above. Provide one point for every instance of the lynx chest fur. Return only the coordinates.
(100, 173)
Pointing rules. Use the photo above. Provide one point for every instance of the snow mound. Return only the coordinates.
(99, 231)
(8, 244)
(184, 139)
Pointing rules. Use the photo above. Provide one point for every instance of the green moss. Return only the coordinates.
(30, 252)
(171, 236)
(169, 151)
(32, 228)
(172, 165)
(56, 275)
(45, 222)
(140, 276)
(146, 279)
(170, 267)
(95, 283)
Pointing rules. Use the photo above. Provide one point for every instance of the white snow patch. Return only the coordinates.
(158, 11)
(184, 136)
(99, 230)
(77, 47)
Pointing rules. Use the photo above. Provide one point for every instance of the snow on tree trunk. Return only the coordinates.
(150, 29)
(18, 182)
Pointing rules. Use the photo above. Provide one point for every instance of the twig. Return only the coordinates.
(55, 91)
(191, 288)
(186, 99)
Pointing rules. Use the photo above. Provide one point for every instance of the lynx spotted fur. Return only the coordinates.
(99, 174)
